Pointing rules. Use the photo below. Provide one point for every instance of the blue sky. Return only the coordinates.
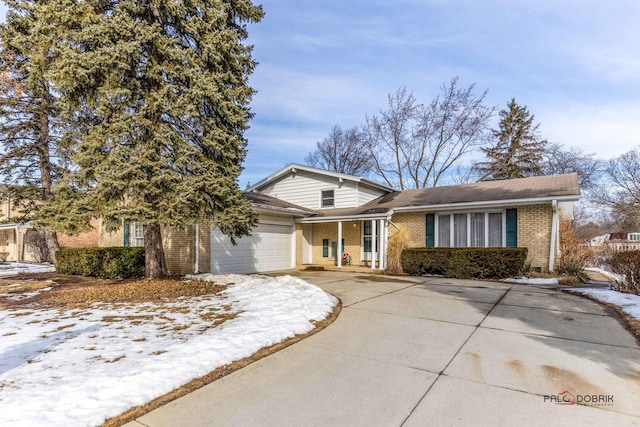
(574, 64)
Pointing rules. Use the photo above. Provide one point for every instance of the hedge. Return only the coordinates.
(465, 263)
(105, 263)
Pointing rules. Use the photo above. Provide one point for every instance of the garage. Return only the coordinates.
(269, 248)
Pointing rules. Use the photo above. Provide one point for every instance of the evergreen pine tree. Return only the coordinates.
(518, 151)
(32, 155)
(161, 91)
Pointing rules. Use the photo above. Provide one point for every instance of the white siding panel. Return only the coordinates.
(269, 248)
(304, 189)
(367, 194)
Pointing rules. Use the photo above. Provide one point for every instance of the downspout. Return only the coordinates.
(196, 268)
(554, 233)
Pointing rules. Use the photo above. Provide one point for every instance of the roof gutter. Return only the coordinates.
(315, 220)
(485, 204)
(288, 211)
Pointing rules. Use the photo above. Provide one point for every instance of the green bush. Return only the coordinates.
(105, 263)
(625, 265)
(465, 263)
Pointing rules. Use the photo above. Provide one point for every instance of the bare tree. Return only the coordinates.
(342, 151)
(414, 145)
(558, 160)
(621, 190)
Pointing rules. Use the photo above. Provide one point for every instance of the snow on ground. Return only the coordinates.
(15, 268)
(629, 303)
(532, 281)
(79, 367)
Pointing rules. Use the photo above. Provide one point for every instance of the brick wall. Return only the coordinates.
(89, 239)
(534, 233)
(299, 241)
(415, 224)
(179, 249)
(110, 239)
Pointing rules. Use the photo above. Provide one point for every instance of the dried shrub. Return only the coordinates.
(36, 243)
(573, 258)
(625, 265)
(397, 243)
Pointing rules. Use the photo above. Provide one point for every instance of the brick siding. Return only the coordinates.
(89, 239)
(534, 233)
(416, 226)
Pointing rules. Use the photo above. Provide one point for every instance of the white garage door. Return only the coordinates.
(269, 248)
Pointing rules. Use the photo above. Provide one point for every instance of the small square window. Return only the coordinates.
(327, 199)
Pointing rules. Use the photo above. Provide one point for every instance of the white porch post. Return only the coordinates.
(18, 244)
(373, 243)
(382, 245)
(339, 255)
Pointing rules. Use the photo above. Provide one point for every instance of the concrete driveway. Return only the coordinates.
(432, 351)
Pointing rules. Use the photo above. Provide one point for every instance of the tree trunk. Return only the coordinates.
(154, 262)
(43, 147)
(51, 238)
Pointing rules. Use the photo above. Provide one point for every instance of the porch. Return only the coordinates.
(355, 243)
(12, 242)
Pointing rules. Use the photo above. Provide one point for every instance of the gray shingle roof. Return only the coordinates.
(540, 187)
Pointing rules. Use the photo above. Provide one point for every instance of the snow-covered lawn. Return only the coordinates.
(81, 366)
(629, 303)
(15, 268)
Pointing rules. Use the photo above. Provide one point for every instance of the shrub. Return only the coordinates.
(36, 242)
(626, 265)
(397, 243)
(465, 263)
(105, 263)
(574, 268)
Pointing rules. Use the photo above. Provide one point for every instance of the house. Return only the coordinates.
(312, 216)
(616, 241)
(12, 234)
(15, 235)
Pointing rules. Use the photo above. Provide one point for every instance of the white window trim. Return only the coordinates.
(334, 198)
(133, 240)
(486, 226)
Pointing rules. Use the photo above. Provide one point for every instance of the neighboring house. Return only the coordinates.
(304, 212)
(14, 236)
(617, 241)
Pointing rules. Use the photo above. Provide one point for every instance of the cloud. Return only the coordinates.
(607, 130)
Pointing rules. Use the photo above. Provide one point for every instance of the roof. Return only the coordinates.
(487, 193)
(267, 202)
(539, 187)
(295, 167)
